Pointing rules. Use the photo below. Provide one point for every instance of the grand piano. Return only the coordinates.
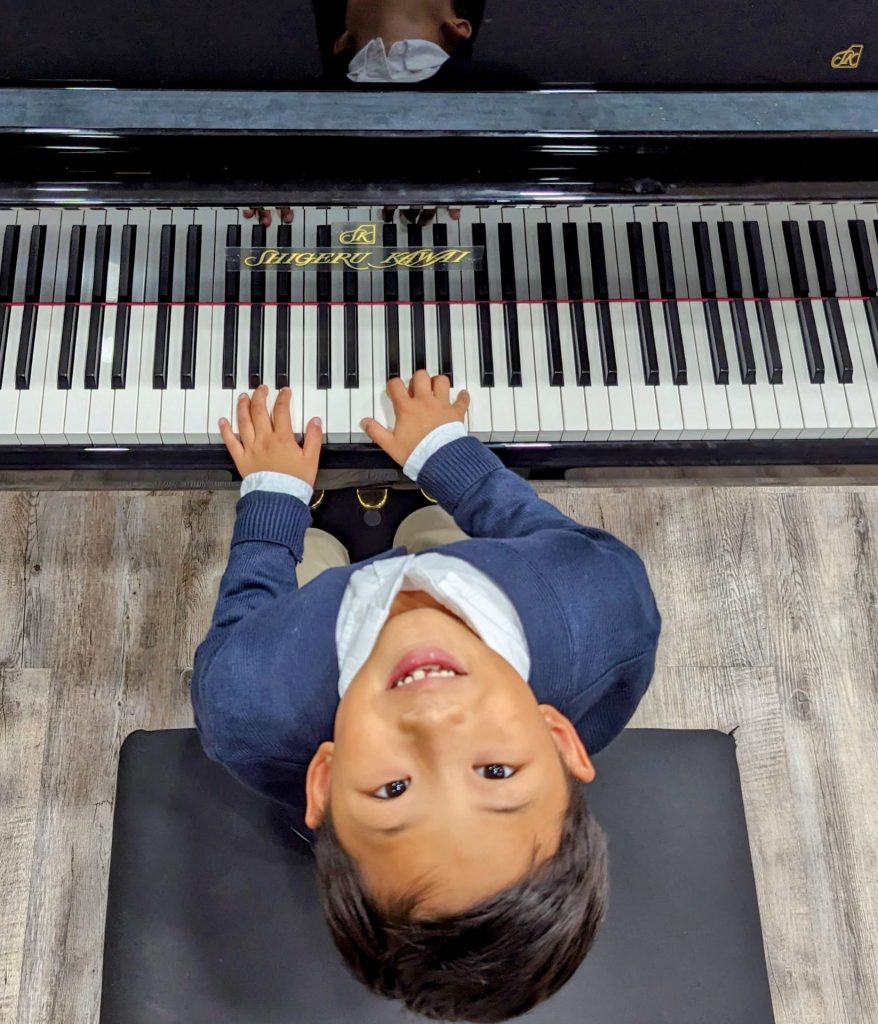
(669, 216)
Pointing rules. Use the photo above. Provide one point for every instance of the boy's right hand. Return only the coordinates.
(419, 409)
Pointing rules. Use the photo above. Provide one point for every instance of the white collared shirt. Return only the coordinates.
(409, 60)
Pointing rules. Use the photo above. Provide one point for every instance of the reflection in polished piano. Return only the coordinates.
(586, 323)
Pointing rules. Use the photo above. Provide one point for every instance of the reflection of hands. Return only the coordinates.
(284, 212)
(418, 215)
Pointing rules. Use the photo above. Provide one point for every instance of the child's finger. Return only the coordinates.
(441, 387)
(245, 423)
(462, 402)
(313, 439)
(422, 384)
(283, 417)
(259, 408)
(236, 449)
(398, 392)
(378, 433)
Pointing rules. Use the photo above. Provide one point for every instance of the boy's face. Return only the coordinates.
(466, 829)
(393, 20)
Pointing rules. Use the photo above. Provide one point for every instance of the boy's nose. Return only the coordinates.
(429, 716)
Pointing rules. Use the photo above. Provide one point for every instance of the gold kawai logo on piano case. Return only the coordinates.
(362, 234)
(849, 58)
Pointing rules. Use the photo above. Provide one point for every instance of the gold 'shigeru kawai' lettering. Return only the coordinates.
(411, 259)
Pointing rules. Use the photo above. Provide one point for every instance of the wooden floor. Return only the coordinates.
(770, 604)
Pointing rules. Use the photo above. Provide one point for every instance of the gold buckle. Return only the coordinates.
(368, 503)
(316, 504)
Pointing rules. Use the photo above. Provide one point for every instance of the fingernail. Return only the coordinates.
(222, 422)
(318, 422)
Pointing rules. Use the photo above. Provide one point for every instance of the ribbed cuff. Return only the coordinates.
(272, 518)
(450, 473)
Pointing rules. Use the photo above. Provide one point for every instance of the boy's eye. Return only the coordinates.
(496, 771)
(392, 789)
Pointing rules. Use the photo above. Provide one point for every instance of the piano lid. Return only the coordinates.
(499, 44)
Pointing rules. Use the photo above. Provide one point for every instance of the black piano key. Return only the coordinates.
(735, 288)
(33, 284)
(8, 261)
(640, 284)
(98, 298)
(862, 257)
(483, 297)
(416, 298)
(256, 364)
(668, 288)
(841, 355)
(284, 296)
(764, 312)
(822, 257)
(602, 295)
(324, 319)
(443, 310)
(573, 267)
(549, 286)
(707, 278)
(230, 318)
(799, 280)
(351, 329)
(119, 372)
(163, 312)
(72, 297)
(391, 308)
(509, 293)
(192, 293)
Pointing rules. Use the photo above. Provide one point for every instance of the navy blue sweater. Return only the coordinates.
(265, 683)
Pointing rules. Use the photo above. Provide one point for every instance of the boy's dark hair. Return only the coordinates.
(495, 960)
(474, 12)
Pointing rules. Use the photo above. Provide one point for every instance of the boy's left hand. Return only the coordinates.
(272, 446)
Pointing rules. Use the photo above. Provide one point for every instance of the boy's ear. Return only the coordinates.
(317, 784)
(455, 31)
(344, 43)
(570, 746)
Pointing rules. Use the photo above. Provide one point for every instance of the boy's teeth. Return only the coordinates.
(428, 671)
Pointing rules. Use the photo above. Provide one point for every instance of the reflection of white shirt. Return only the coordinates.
(409, 60)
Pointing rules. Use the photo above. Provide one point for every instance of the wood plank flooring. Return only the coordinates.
(770, 605)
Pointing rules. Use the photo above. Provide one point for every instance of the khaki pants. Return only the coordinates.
(430, 527)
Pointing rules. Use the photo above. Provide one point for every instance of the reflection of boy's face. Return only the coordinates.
(394, 20)
(455, 826)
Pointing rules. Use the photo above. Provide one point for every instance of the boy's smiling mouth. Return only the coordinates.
(422, 666)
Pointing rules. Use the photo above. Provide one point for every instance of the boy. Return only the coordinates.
(431, 714)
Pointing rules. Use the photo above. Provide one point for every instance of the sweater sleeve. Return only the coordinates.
(487, 499)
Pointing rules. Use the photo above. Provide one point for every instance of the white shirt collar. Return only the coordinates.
(454, 583)
(409, 60)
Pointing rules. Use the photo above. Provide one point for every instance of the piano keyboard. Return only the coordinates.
(123, 327)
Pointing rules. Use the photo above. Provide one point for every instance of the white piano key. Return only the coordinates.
(525, 400)
(79, 397)
(573, 395)
(716, 403)
(789, 423)
(172, 424)
(479, 417)
(31, 400)
(197, 427)
(780, 285)
(695, 423)
(502, 395)
(623, 424)
(837, 216)
(338, 403)
(362, 398)
(847, 406)
(242, 375)
(738, 394)
(667, 394)
(220, 400)
(458, 350)
(548, 397)
(128, 399)
(297, 326)
(26, 219)
(382, 408)
(149, 398)
(100, 413)
(431, 324)
(646, 415)
(313, 401)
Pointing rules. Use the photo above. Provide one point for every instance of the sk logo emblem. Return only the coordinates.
(849, 58)
(363, 234)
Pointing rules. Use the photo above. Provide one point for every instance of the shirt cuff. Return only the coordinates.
(431, 444)
(283, 483)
